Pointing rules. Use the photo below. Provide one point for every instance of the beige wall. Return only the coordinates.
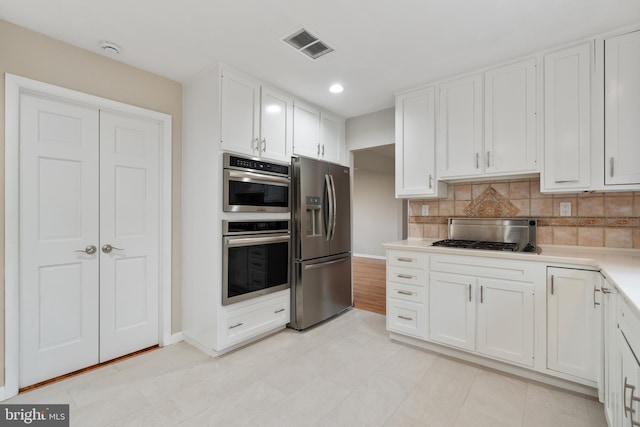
(35, 56)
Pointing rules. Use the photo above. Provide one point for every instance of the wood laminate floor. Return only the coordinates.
(369, 284)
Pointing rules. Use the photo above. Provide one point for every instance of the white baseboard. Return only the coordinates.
(369, 256)
(176, 338)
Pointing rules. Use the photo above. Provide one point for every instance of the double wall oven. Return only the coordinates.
(256, 231)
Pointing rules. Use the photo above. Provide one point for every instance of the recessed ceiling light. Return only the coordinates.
(336, 88)
(110, 48)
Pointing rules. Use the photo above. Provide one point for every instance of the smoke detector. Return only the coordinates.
(305, 42)
(110, 48)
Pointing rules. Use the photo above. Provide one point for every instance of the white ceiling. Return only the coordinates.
(381, 46)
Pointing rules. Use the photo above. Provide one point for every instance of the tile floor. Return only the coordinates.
(344, 373)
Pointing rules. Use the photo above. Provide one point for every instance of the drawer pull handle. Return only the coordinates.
(405, 276)
(629, 409)
(606, 290)
(405, 293)
(278, 311)
(404, 318)
(406, 259)
(236, 325)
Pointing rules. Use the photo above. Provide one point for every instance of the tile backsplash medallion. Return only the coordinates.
(597, 219)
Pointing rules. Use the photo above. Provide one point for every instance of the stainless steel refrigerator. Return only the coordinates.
(321, 286)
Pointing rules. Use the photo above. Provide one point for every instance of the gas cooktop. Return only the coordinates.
(506, 235)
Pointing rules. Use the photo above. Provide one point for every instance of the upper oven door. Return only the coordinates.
(255, 192)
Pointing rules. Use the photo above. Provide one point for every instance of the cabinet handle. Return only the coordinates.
(552, 284)
(430, 181)
(477, 160)
(278, 311)
(318, 149)
(404, 318)
(481, 294)
(611, 166)
(595, 289)
(488, 161)
(629, 409)
(405, 292)
(405, 276)
(236, 325)
(406, 259)
(264, 144)
(469, 292)
(322, 150)
(606, 290)
(257, 146)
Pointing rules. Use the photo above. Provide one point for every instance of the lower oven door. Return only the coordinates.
(254, 266)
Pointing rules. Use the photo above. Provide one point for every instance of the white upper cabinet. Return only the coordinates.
(239, 113)
(567, 119)
(487, 125)
(416, 145)
(276, 125)
(622, 109)
(254, 120)
(317, 134)
(460, 128)
(510, 119)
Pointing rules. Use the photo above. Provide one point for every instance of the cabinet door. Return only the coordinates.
(452, 310)
(239, 117)
(276, 125)
(567, 120)
(331, 145)
(505, 320)
(306, 130)
(415, 143)
(622, 107)
(510, 118)
(572, 342)
(630, 385)
(611, 393)
(460, 150)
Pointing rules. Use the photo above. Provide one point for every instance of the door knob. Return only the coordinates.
(108, 248)
(89, 250)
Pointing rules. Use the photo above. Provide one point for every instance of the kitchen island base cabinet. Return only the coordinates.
(573, 323)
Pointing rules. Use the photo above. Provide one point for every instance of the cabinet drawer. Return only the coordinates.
(407, 318)
(406, 292)
(253, 320)
(488, 267)
(407, 259)
(411, 276)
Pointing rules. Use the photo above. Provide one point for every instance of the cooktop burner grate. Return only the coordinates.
(475, 244)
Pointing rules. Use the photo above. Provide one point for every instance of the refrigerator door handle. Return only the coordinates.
(324, 264)
(335, 206)
(330, 200)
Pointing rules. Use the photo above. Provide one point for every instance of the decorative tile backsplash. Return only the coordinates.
(597, 219)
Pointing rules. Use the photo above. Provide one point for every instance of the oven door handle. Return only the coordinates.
(249, 241)
(258, 178)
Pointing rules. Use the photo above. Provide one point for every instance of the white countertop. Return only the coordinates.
(621, 267)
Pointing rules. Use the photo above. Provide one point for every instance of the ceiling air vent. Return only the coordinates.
(308, 44)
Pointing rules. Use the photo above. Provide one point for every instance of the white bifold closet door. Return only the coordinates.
(89, 211)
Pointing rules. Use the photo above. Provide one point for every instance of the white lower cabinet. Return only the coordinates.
(573, 323)
(505, 320)
(452, 310)
(610, 395)
(406, 293)
(628, 382)
(492, 317)
(254, 318)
